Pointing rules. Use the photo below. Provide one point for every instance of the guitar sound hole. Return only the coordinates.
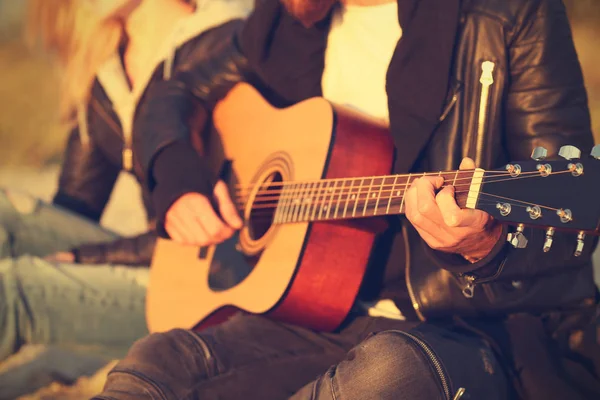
(263, 207)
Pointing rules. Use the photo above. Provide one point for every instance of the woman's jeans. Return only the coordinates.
(91, 309)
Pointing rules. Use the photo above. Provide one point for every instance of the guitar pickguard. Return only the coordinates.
(229, 266)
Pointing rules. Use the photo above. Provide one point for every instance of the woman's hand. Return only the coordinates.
(61, 257)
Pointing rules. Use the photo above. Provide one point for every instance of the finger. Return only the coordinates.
(226, 207)
(447, 205)
(180, 220)
(426, 203)
(456, 217)
(174, 232)
(475, 219)
(190, 228)
(200, 212)
(431, 233)
(411, 205)
(216, 230)
(467, 163)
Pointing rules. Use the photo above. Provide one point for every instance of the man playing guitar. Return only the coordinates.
(461, 84)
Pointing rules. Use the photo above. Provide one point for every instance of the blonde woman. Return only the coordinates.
(63, 279)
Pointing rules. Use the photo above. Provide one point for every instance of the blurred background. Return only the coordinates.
(32, 140)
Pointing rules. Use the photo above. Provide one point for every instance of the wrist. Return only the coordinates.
(485, 244)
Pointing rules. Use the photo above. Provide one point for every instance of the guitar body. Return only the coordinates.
(303, 273)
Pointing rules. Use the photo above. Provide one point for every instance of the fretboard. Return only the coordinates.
(338, 199)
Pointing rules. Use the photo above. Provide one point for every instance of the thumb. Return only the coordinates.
(226, 207)
(467, 163)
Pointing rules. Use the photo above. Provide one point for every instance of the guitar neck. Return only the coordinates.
(340, 199)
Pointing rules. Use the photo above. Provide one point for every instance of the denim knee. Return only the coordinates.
(386, 365)
(167, 365)
(428, 364)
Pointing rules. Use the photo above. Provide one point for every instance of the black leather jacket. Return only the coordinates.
(89, 172)
(537, 99)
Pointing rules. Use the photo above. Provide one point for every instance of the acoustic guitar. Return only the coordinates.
(313, 183)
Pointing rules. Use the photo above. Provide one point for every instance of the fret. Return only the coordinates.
(312, 203)
(323, 205)
(290, 209)
(368, 196)
(339, 201)
(306, 202)
(334, 183)
(387, 209)
(357, 197)
(299, 201)
(285, 194)
(277, 215)
(348, 198)
(455, 176)
(316, 200)
(280, 205)
(296, 202)
(406, 186)
(379, 195)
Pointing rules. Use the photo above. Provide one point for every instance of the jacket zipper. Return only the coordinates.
(437, 365)
(205, 350)
(127, 153)
(144, 378)
(471, 280)
(127, 125)
(486, 80)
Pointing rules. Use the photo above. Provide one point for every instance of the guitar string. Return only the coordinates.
(412, 174)
(264, 210)
(358, 194)
(386, 177)
(264, 214)
(337, 202)
(301, 189)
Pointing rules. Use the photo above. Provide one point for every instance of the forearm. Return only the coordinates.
(132, 251)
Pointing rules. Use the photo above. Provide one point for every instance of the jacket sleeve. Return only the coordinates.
(546, 105)
(176, 111)
(86, 179)
(131, 251)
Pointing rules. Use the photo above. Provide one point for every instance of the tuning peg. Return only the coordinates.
(569, 152)
(513, 169)
(517, 239)
(596, 152)
(549, 239)
(580, 244)
(535, 212)
(565, 216)
(504, 208)
(539, 154)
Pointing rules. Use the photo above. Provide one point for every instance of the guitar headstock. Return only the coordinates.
(562, 194)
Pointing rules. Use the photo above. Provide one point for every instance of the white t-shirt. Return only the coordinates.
(360, 45)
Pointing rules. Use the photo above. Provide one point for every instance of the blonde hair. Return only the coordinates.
(80, 40)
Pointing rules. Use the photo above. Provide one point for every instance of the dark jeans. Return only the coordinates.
(250, 357)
